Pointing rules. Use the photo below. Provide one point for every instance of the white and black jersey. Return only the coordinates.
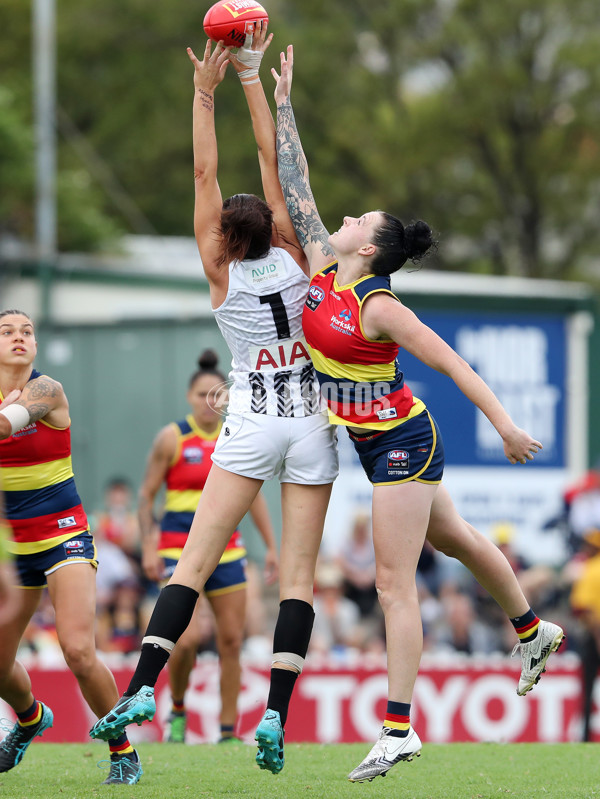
(261, 321)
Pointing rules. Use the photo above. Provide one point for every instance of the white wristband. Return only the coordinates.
(17, 415)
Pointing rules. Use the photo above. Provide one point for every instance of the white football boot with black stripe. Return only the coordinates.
(534, 654)
(388, 751)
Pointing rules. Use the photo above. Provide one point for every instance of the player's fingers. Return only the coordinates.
(275, 74)
(207, 49)
(192, 56)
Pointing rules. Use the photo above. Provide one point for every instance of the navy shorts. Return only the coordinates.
(227, 577)
(412, 450)
(32, 569)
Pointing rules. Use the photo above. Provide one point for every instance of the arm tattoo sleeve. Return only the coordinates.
(293, 176)
(39, 397)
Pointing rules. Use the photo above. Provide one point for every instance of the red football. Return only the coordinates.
(230, 20)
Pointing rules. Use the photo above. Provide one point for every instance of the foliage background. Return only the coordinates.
(481, 118)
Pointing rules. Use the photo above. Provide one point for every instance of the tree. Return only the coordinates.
(481, 118)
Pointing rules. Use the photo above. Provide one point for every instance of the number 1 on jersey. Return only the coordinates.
(282, 326)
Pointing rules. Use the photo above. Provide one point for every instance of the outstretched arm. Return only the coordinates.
(208, 73)
(383, 315)
(246, 62)
(293, 174)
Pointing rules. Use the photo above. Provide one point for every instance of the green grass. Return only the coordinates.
(313, 771)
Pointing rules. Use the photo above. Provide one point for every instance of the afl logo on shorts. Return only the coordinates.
(397, 458)
(316, 295)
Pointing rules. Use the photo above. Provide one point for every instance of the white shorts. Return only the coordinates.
(299, 449)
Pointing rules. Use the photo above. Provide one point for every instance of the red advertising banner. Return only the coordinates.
(455, 699)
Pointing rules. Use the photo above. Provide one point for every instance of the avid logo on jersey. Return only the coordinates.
(66, 521)
(345, 314)
(315, 297)
(259, 274)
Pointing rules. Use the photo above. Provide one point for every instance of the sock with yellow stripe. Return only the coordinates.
(397, 719)
(120, 745)
(31, 716)
(178, 707)
(526, 626)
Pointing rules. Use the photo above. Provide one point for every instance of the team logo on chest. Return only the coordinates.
(193, 455)
(315, 297)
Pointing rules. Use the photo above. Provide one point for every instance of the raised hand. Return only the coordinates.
(247, 60)
(284, 80)
(209, 72)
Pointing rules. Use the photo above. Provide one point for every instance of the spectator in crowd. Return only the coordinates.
(337, 619)
(585, 602)
(357, 564)
(458, 628)
(116, 523)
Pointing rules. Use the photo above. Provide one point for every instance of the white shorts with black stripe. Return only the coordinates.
(293, 449)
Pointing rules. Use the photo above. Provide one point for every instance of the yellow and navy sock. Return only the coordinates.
(526, 626)
(397, 719)
(31, 716)
(120, 745)
(178, 707)
(227, 730)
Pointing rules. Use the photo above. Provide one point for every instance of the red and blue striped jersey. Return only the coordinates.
(41, 501)
(185, 480)
(360, 378)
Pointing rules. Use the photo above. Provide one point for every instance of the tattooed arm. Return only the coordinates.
(293, 174)
(43, 398)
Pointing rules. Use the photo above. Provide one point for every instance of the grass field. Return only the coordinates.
(313, 771)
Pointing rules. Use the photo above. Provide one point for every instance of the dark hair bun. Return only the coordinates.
(208, 360)
(418, 238)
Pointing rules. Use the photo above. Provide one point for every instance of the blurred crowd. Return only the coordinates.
(458, 616)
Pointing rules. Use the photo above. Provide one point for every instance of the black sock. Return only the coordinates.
(169, 620)
(280, 691)
(292, 634)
